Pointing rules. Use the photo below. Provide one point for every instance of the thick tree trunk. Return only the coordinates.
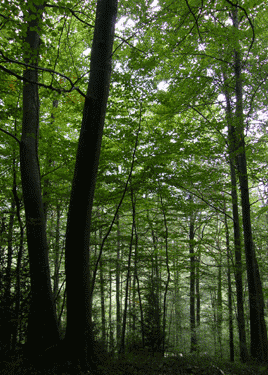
(42, 322)
(78, 333)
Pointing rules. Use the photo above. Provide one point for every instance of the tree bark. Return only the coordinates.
(230, 301)
(102, 297)
(259, 343)
(19, 258)
(192, 281)
(168, 278)
(6, 312)
(78, 332)
(237, 238)
(124, 323)
(42, 322)
(117, 281)
(219, 300)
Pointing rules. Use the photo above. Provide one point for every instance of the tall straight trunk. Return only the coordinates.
(259, 343)
(219, 303)
(42, 322)
(197, 288)
(230, 301)
(135, 279)
(192, 282)
(237, 238)
(19, 258)
(57, 259)
(117, 286)
(111, 336)
(168, 278)
(230, 309)
(134, 291)
(124, 324)
(79, 295)
(6, 313)
(103, 320)
(141, 309)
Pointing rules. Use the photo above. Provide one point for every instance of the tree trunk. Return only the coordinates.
(57, 261)
(230, 301)
(259, 343)
(123, 334)
(78, 332)
(103, 320)
(197, 288)
(237, 239)
(111, 347)
(219, 301)
(117, 281)
(192, 282)
(6, 313)
(168, 278)
(42, 322)
(19, 258)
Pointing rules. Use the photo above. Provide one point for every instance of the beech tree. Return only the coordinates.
(113, 198)
(46, 334)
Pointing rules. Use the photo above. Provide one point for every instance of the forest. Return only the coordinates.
(133, 191)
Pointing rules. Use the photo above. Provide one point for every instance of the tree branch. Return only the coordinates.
(42, 69)
(71, 11)
(249, 20)
(119, 205)
(11, 135)
(196, 19)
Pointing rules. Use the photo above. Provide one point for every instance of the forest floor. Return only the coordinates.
(138, 365)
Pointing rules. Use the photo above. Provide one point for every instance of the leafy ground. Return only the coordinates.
(136, 365)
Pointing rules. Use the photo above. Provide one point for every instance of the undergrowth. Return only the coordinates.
(135, 365)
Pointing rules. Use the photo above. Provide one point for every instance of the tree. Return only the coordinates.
(172, 63)
(42, 321)
(77, 268)
(259, 342)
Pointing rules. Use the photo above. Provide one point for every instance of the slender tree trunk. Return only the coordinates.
(6, 313)
(103, 320)
(135, 279)
(237, 238)
(259, 343)
(42, 321)
(192, 282)
(57, 260)
(168, 278)
(19, 258)
(230, 301)
(111, 336)
(141, 309)
(79, 330)
(197, 288)
(123, 334)
(219, 303)
(117, 286)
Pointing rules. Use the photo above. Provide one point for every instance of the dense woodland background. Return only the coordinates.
(177, 255)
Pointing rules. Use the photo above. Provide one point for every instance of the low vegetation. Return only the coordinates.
(131, 364)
